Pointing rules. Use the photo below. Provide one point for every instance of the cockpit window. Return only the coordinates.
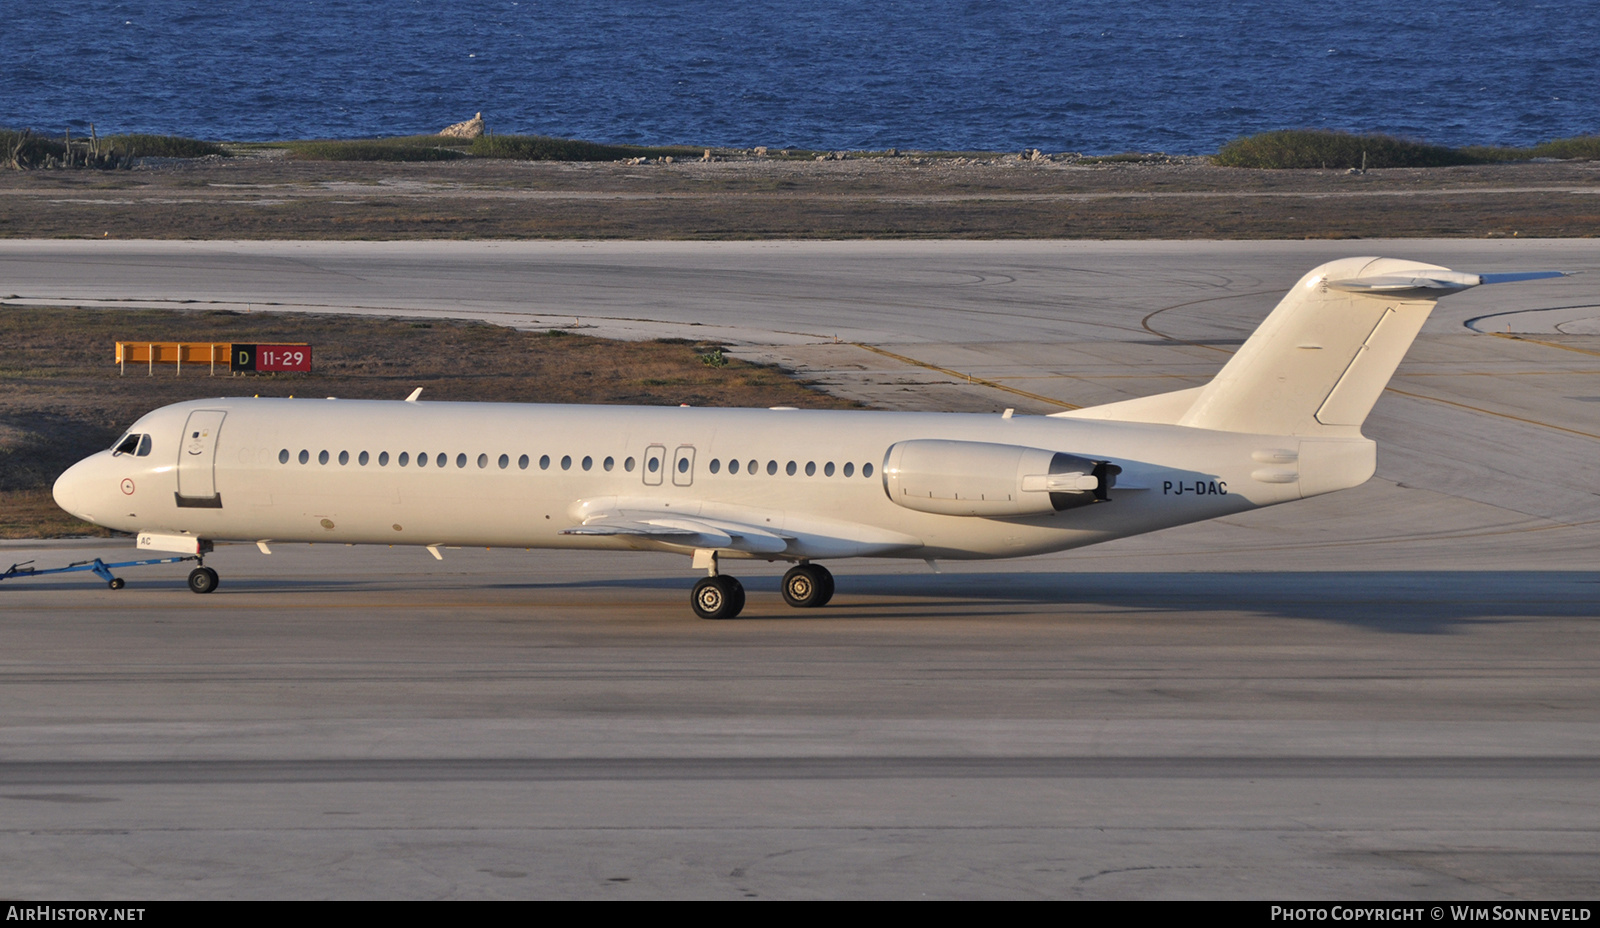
(127, 444)
(144, 446)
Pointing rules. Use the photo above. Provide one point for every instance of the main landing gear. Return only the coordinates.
(719, 597)
(805, 586)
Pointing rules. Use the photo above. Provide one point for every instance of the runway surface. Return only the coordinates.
(1384, 693)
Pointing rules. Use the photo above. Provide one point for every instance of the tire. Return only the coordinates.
(717, 598)
(117, 583)
(807, 586)
(826, 576)
(202, 580)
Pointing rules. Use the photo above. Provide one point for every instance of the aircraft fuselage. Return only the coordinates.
(422, 473)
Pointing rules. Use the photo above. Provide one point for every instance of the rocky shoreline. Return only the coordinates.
(744, 195)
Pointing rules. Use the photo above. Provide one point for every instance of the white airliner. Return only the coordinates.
(1280, 422)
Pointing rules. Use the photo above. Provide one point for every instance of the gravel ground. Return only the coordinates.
(272, 197)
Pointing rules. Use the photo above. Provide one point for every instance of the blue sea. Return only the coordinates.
(1096, 77)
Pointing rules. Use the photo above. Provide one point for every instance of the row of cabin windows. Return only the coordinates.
(404, 459)
(791, 468)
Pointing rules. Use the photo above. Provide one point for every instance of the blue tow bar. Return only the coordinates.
(100, 568)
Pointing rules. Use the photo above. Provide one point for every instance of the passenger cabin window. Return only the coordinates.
(283, 456)
(383, 459)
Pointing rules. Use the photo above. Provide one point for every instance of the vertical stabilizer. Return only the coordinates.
(1318, 363)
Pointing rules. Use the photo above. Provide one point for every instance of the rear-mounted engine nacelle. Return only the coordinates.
(973, 478)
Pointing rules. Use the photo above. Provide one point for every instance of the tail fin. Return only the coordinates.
(1320, 360)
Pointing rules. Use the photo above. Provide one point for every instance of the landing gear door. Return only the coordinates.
(655, 461)
(197, 457)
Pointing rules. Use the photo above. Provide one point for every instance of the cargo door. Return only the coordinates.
(197, 459)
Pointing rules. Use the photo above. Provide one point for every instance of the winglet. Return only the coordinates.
(414, 394)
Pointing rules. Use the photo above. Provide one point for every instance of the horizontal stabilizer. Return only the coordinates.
(1431, 285)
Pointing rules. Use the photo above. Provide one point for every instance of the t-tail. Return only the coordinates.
(1318, 363)
(1314, 368)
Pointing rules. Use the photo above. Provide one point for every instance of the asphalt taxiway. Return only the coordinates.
(1384, 693)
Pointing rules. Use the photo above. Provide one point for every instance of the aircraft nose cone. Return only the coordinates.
(68, 489)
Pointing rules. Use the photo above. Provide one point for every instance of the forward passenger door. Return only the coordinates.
(197, 460)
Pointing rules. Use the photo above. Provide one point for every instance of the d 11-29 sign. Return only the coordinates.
(271, 358)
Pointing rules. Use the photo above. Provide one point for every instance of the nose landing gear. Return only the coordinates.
(202, 580)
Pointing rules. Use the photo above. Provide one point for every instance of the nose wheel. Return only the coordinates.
(202, 580)
(807, 586)
(719, 597)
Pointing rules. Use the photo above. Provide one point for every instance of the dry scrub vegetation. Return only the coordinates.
(61, 397)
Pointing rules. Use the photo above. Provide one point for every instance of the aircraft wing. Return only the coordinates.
(692, 533)
(756, 532)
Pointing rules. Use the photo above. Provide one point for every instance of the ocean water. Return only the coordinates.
(1153, 75)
